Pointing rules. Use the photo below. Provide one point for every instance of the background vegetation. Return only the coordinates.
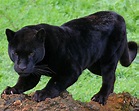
(15, 14)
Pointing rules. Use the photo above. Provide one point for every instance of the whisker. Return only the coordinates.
(45, 69)
(39, 69)
(36, 73)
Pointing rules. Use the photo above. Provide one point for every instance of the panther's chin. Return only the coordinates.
(23, 74)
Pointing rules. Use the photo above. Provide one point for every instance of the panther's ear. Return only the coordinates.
(10, 34)
(41, 35)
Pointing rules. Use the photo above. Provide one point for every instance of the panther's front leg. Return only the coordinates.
(23, 84)
(56, 85)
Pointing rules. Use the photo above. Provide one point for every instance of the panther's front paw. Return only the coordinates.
(100, 98)
(40, 95)
(10, 90)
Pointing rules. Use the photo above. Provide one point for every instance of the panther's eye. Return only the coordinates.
(31, 54)
(15, 53)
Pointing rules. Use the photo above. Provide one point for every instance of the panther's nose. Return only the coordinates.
(22, 67)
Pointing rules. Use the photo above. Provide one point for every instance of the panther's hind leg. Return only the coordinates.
(108, 78)
(108, 65)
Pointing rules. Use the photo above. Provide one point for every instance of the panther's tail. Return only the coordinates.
(129, 54)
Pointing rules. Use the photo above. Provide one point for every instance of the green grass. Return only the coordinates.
(15, 14)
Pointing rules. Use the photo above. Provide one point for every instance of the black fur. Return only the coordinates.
(95, 42)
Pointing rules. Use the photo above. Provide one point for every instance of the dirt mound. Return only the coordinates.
(65, 102)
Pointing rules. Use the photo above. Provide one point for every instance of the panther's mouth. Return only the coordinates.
(24, 74)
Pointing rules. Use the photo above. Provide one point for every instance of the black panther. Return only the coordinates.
(95, 42)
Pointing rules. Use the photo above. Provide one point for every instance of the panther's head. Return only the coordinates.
(26, 49)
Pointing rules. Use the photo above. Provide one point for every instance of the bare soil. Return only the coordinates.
(65, 102)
